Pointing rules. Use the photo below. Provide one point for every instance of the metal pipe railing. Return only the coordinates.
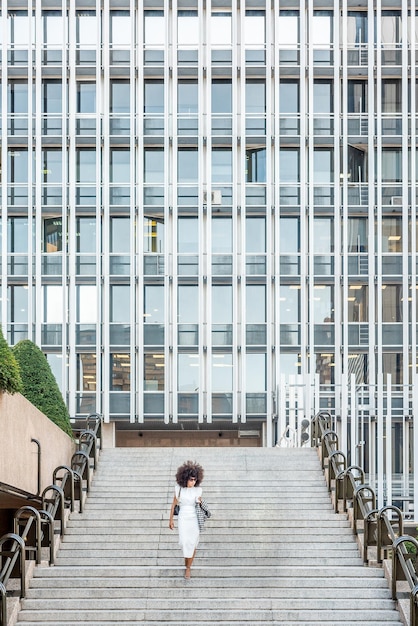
(37, 524)
(382, 528)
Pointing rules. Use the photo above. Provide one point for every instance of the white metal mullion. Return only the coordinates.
(412, 377)
(272, 225)
(64, 191)
(306, 355)
(239, 199)
(338, 299)
(132, 216)
(380, 440)
(238, 217)
(170, 219)
(137, 99)
(405, 204)
(415, 429)
(5, 173)
(35, 308)
(388, 470)
(378, 152)
(343, 110)
(70, 185)
(371, 197)
(307, 171)
(102, 192)
(205, 257)
(270, 216)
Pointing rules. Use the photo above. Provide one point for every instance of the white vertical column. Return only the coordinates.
(388, 470)
(5, 170)
(380, 439)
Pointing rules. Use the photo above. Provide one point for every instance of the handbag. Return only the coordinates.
(176, 510)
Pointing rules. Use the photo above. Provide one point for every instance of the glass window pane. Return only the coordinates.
(255, 298)
(153, 235)
(153, 304)
(221, 96)
(289, 96)
(255, 235)
(323, 303)
(120, 96)
(254, 28)
(255, 96)
(86, 97)
(120, 28)
(289, 304)
(153, 166)
(86, 304)
(18, 235)
(289, 166)
(221, 304)
(87, 28)
(187, 97)
(53, 303)
(52, 96)
(188, 372)
(221, 29)
(256, 377)
(289, 235)
(188, 304)
(187, 234)
(86, 234)
(288, 28)
(187, 166)
(153, 96)
(222, 372)
(221, 235)
(86, 166)
(221, 166)
(119, 166)
(120, 235)
(120, 298)
(154, 28)
(187, 28)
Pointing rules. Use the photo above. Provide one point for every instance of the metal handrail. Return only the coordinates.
(401, 557)
(51, 505)
(29, 516)
(80, 464)
(11, 556)
(386, 528)
(381, 527)
(54, 504)
(351, 482)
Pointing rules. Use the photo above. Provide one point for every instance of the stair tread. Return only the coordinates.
(274, 552)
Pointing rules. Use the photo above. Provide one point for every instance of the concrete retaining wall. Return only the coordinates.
(20, 421)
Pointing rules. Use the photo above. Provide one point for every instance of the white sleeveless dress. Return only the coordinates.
(187, 520)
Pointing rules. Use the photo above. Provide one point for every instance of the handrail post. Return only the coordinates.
(3, 605)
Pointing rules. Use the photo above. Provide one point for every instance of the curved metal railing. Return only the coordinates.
(34, 528)
(382, 528)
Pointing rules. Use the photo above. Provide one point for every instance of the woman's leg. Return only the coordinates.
(188, 564)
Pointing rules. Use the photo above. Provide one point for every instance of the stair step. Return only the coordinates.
(274, 551)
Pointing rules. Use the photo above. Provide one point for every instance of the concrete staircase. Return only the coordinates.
(274, 552)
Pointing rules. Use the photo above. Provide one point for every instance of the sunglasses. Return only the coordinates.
(192, 478)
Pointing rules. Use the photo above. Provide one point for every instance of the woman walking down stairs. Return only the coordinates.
(273, 552)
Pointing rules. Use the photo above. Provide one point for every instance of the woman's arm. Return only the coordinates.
(173, 504)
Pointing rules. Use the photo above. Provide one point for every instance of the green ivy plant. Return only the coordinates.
(10, 379)
(39, 384)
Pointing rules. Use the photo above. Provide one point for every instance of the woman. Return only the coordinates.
(187, 493)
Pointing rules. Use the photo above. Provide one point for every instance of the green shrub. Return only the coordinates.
(10, 379)
(39, 384)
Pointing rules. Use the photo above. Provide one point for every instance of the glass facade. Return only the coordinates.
(197, 203)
